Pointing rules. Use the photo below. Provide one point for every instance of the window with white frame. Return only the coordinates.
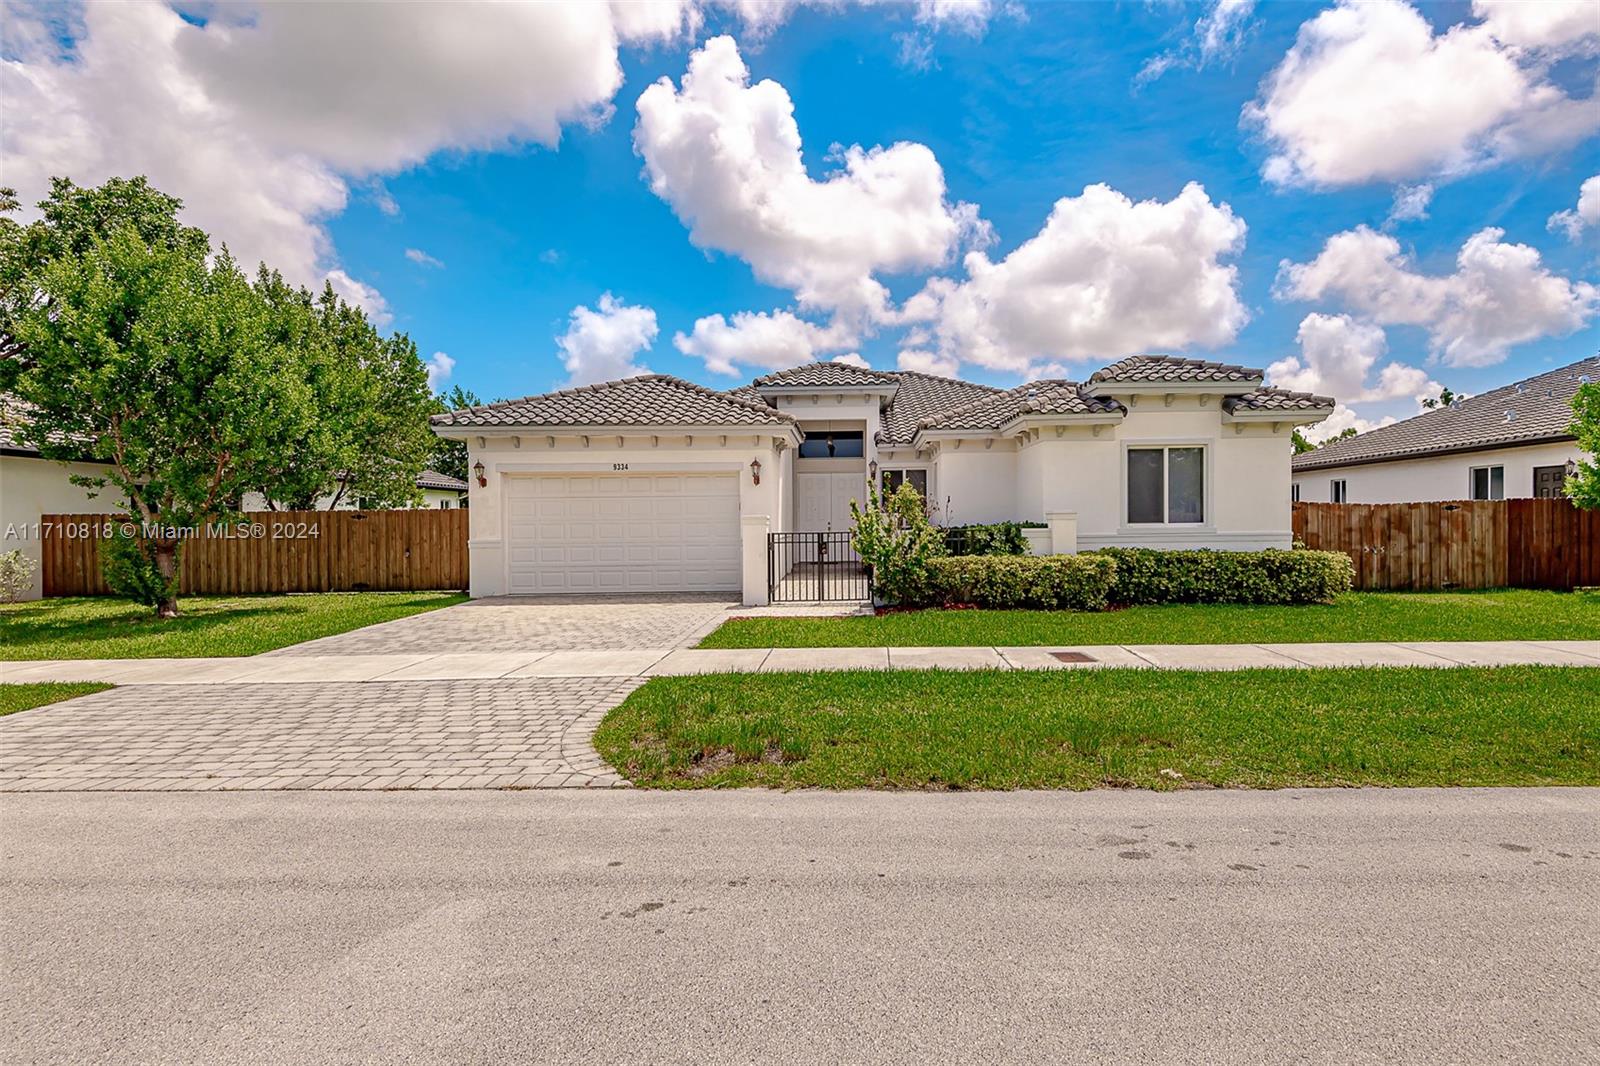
(1294, 493)
(893, 479)
(1488, 483)
(1166, 485)
(1336, 490)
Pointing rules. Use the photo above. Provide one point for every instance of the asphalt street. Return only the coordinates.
(495, 927)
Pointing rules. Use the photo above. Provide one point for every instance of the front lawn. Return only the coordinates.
(14, 698)
(1118, 728)
(1503, 614)
(98, 628)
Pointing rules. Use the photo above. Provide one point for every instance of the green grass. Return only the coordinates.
(1505, 614)
(95, 628)
(1117, 728)
(14, 698)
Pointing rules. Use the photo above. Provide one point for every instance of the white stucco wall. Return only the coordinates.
(657, 453)
(31, 487)
(1444, 477)
(975, 484)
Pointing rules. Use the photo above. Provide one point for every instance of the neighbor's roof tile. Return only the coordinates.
(1540, 408)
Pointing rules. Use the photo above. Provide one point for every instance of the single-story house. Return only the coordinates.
(655, 484)
(437, 491)
(32, 486)
(1514, 442)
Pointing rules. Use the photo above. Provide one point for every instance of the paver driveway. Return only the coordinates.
(512, 623)
(531, 733)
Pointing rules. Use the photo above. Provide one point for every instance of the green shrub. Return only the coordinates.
(1145, 575)
(130, 568)
(896, 543)
(16, 575)
(1045, 582)
(997, 538)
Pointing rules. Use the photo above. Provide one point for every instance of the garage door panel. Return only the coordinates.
(578, 533)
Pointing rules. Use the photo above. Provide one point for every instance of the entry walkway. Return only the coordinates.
(657, 662)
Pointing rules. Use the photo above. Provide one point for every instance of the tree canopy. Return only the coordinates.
(1584, 485)
(138, 347)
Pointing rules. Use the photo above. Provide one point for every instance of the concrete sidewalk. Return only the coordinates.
(656, 662)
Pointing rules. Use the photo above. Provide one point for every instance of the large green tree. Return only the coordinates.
(450, 456)
(134, 344)
(1584, 485)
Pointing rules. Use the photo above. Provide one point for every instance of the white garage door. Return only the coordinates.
(576, 533)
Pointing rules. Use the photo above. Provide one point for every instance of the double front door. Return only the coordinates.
(822, 501)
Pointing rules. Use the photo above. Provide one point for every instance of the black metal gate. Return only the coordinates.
(814, 567)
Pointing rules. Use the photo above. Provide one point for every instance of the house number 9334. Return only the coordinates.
(619, 466)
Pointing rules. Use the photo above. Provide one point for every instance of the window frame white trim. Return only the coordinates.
(1208, 486)
(1489, 469)
(1342, 491)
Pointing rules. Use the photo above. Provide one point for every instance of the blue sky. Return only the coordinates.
(512, 229)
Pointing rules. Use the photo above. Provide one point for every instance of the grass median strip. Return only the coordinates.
(1111, 728)
(25, 697)
(106, 628)
(1503, 614)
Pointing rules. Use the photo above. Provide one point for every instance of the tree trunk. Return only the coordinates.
(167, 563)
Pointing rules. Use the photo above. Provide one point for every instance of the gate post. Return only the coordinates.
(753, 529)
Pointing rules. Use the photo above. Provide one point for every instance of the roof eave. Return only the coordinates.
(1087, 418)
(780, 429)
(1431, 453)
(1302, 416)
(1111, 387)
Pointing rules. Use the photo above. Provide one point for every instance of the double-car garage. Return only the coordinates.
(622, 533)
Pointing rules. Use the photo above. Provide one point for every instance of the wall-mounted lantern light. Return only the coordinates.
(755, 471)
(872, 470)
(477, 471)
(1572, 467)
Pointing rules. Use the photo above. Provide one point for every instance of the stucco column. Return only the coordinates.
(1063, 532)
(753, 529)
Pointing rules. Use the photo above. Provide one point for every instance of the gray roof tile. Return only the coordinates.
(1159, 368)
(921, 396)
(1540, 407)
(432, 479)
(1271, 399)
(650, 400)
(1051, 397)
(825, 374)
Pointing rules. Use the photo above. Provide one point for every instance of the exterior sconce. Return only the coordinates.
(1572, 467)
(755, 471)
(872, 471)
(477, 472)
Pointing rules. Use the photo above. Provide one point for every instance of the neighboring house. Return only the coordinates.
(438, 491)
(654, 484)
(1512, 442)
(31, 486)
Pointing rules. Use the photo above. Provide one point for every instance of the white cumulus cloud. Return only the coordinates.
(1500, 294)
(601, 344)
(725, 154)
(1218, 35)
(1549, 24)
(1343, 418)
(1337, 355)
(439, 366)
(1105, 277)
(924, 361)
(259, 119)
(1574, 221)
(1369, 92)
(769, 340)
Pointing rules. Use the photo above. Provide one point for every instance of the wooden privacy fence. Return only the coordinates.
(1468, 544)
(278, 551)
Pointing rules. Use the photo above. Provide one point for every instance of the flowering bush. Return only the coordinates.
(896, 543)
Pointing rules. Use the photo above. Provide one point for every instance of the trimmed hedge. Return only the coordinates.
(1046, 582)
(1275, 576)
(995, 538)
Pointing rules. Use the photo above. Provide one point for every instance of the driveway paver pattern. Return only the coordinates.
(514, 624)
(526, 733)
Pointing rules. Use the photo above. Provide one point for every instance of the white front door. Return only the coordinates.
(822, 501)
(577, 533)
